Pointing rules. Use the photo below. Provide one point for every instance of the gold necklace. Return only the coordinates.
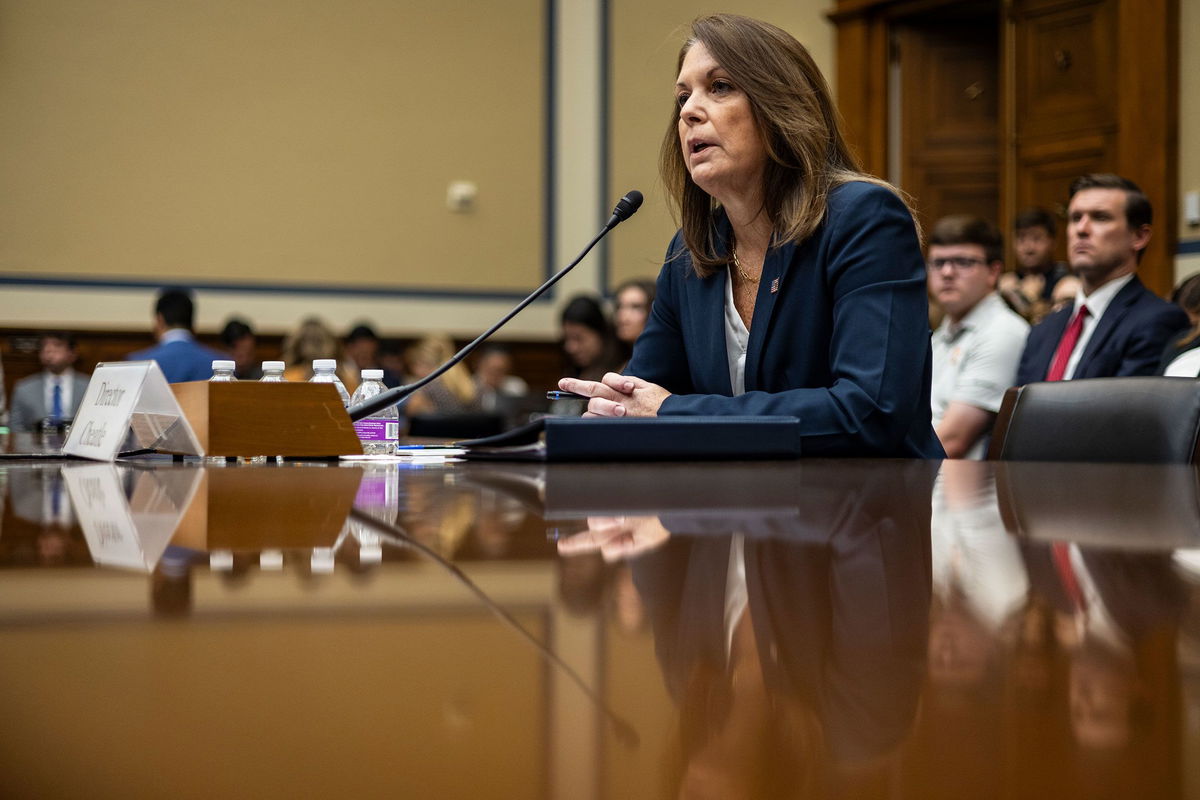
(738, 264)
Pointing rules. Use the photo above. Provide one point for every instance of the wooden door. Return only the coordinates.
(950, 135)
(1086, 86)
(1065, 118)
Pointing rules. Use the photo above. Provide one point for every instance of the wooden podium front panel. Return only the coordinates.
(267, 419)
(256, 509)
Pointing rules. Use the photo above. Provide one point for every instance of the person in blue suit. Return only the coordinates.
(796, 285)
(179, 355)
(1125, 326)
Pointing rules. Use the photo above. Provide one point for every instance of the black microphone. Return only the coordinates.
(626, 206)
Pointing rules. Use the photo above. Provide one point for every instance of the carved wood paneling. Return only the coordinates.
(1066, 67)
(862, 68)
(951, 111)
(1092, 85)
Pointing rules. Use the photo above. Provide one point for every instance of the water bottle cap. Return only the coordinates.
(325, 363)
(372, 374)
(223, 365)
(277, 365)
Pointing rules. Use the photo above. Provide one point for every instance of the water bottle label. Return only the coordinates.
(372, 492)
(377, 430)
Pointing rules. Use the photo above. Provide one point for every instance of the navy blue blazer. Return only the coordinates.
(180, 361)
(840, 336)
(1128, 340)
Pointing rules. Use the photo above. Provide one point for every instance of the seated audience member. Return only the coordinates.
(391, 356)
(1115, 326)
(312, 340)
(361, 348)
(452, 393)
(238, 338)
(631, 309)
(1181, 358)
(179, 355)
(53, 395)
(588, 339)
(1029, 288)
(978, 345)
(500, 392)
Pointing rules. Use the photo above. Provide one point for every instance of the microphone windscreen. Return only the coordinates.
(628, 204)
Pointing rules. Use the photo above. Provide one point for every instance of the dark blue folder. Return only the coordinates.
(641, 439)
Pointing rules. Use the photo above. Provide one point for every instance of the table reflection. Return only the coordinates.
(790, 636)
(817, 628)
(1053, 655)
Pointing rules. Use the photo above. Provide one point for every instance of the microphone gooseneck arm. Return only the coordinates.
(624, 210)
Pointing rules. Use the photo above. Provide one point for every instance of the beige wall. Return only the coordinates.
(280, 141)
(277, 141)
(645, 43)
(287, 140)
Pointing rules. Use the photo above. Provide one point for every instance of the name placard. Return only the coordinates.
(129, 532)
(127, 396)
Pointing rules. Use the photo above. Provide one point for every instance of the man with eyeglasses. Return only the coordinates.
(977, 347)
(1115, 326)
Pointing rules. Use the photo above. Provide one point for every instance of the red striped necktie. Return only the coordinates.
(1066, 346)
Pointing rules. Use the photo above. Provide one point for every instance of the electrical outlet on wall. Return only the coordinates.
(1191, 208)
(460, 196)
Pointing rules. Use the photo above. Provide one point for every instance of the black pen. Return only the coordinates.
(556, 394)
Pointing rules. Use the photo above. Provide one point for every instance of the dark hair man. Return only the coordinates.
(238, 338)
(52, 396)
(179, 355)
(978, 345)
(1116, 326)
(361, 347)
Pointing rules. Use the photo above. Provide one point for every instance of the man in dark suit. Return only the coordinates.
(1116, 326)
(179, 355)
(52, 395)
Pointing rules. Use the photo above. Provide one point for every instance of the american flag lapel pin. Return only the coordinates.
(774, 285)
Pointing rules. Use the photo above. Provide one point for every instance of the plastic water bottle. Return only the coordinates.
(272, 372)
(378, 496)
(223, 372)
(325, 371)
(380, 431)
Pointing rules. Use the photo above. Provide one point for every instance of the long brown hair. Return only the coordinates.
(801, 131)
(1187, 297)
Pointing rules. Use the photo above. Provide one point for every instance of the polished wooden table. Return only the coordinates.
(823, 628)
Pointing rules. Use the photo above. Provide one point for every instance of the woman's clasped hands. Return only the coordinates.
(618, 395)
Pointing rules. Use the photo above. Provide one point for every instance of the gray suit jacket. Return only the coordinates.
(29, 401)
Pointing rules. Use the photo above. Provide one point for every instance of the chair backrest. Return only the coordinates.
(1151, 420)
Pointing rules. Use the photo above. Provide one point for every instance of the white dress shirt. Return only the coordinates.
(1185, 366)
(1097, 303)
(737, 337)
(737, 596)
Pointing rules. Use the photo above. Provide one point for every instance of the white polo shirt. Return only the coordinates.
(975, 361)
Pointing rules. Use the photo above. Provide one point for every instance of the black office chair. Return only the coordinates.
(1151, 420)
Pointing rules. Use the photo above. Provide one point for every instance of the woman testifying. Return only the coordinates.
(796, 284)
